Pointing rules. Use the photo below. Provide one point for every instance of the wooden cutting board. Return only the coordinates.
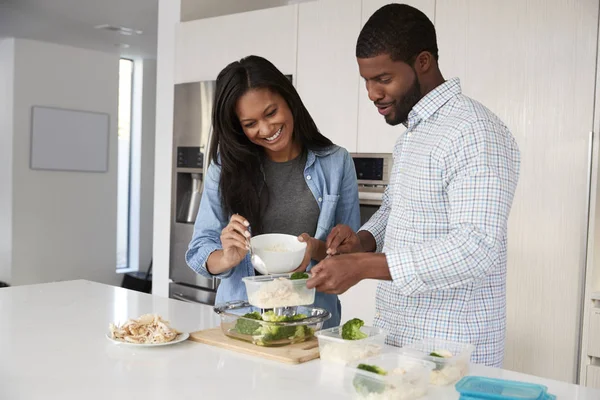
(290, 354)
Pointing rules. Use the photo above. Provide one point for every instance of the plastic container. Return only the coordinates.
(299, 327)
(476, 387)
(407, 378)
(447, 370)
(276, 291)
(333, 348)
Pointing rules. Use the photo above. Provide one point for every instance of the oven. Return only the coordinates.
(373, 176)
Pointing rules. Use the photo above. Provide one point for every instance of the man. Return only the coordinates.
(438, 241)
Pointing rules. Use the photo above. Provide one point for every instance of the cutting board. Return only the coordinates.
(291, 354)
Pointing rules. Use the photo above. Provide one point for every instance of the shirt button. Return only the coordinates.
(320, 199)
(308, 178)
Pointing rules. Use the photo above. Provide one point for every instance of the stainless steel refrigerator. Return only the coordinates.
(191, 143)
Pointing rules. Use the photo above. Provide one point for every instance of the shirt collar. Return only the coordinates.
(433, 101)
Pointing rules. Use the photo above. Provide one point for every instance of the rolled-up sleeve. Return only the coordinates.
(210, 221)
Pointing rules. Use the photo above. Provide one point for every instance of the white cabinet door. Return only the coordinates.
(374, 134)
(534, 65)
(327, 75)
(204, 47)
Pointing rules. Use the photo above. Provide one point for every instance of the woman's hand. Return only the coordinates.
(234, 238)
(315, 250)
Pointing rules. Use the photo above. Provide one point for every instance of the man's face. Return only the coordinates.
(392, 85)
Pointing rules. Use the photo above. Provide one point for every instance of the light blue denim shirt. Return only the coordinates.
(331, 177)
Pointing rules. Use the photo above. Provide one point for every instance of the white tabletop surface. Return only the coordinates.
(53, 346)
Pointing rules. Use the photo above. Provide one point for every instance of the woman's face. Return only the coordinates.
(267, 121)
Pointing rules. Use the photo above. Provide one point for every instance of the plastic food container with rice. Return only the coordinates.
(396, 377)
(451, 359)
(275, 291)
(333, 348)
(279, 327)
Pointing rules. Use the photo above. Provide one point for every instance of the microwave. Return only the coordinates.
(373, 176)
(372, 169)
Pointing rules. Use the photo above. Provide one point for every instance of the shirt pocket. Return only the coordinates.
(328, 209)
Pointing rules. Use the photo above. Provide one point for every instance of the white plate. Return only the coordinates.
(180, 338)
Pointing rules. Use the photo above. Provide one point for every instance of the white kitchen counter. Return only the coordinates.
(53, 346)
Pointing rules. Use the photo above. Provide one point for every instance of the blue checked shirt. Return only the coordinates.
(442, 226)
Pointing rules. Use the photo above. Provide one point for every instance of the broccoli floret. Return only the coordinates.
(270, 316)
(365, 385)
(351, 330)
(299, 275)
(372, 368)
(245, 327)
(272, 333)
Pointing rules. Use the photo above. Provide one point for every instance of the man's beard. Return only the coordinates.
(403, 106)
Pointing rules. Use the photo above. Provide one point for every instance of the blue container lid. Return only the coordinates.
(476, 387)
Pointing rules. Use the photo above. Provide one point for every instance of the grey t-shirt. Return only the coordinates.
(290, 206)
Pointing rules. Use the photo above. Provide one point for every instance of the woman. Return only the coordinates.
(272, 171)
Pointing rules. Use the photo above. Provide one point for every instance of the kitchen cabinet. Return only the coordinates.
(205, 46)
(327, 75)
(534, 66)
(374, 134)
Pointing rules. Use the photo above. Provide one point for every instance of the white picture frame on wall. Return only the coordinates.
(69, 140)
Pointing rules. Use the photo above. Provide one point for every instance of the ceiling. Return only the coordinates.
(72, 22)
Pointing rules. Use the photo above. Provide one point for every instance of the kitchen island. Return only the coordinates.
(53, 345)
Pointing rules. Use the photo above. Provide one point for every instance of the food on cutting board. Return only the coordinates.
(280, 292)
(147, 329)
(265, 334)
(351, 330)
(386, 389)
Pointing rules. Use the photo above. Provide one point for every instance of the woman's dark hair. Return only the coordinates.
(239, 158)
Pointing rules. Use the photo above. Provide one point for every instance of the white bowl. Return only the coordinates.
(280, 253)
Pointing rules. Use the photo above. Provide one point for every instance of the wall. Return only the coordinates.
(194, 9)
(168, 18)
(64, 222)
(142, 163)
(147, 180)
(6, 156)
(506, 54)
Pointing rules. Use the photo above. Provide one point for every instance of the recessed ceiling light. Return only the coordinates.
(122, 45)
(119, 29)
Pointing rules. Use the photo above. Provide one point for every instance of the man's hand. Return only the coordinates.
(336, 274)
(343, 240)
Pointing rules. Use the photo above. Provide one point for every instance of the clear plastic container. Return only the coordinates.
(448, 369)
(298, 327)
(476, 387)
(333, 348)
(277, 291)
(407, 378)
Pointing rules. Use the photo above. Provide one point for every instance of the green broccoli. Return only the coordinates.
(273, 333)
(365, 385)
(245, 327)
(351, 330)
(372, 368)
(299, 275)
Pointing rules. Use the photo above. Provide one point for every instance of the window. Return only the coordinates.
(124, 163)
